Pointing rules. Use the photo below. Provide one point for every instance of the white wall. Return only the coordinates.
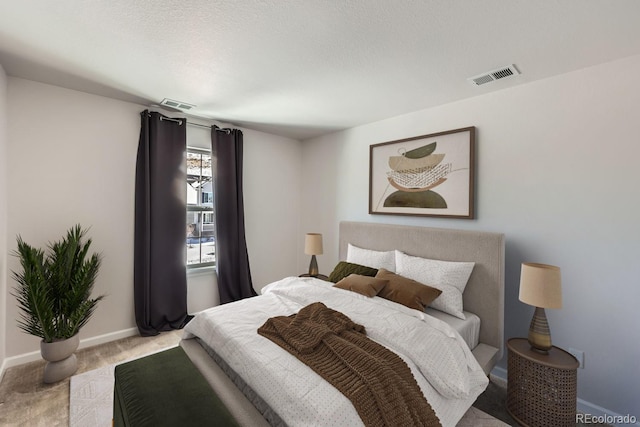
(271, 171)
(3, 215)
(72, 159)
(557, 172)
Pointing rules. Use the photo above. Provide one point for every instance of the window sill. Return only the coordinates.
(195, 271)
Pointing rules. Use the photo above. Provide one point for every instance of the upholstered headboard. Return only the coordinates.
(484, 294)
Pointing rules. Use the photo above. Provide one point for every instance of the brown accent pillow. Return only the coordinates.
(365, 285)
(406, 291)
(343, 269)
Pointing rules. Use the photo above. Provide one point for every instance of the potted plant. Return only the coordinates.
(54, 295)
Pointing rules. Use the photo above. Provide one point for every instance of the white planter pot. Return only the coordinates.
(60, 357)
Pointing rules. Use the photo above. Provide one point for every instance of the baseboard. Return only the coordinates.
(111, 336)
(499, 376)
(592, 413)
(3, 367)
(34, 356)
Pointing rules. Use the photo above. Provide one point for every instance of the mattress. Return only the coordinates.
(469, 328)
(297, 394)
(256, 400)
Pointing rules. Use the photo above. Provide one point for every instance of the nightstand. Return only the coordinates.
(541, 388)
(318, 276)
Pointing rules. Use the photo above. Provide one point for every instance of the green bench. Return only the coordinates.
(166, 389)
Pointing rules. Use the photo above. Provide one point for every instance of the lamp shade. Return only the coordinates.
(313, 244)
(540, 285)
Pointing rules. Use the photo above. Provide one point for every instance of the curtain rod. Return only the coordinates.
(226, 130)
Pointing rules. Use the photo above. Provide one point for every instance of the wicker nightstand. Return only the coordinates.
(542, 388)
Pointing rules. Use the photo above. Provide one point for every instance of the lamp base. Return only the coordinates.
(539, 333)
(313, 267)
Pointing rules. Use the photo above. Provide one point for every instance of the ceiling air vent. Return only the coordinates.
(493, 75)
(177, 104)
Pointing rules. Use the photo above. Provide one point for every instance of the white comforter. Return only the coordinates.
(446, 371)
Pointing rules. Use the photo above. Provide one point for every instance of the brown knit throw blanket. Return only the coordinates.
(378, 382)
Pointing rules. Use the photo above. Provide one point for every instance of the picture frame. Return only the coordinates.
(428, 175)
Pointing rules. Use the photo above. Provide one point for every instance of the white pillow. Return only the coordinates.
(448, 276)
(371, 258)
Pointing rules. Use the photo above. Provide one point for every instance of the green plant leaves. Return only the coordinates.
(54, 290)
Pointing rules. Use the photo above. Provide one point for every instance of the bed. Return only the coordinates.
(290, 393)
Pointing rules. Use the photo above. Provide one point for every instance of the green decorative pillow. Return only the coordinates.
(343, 269)
(365, 285)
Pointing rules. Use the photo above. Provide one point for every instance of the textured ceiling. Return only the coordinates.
(304, 68)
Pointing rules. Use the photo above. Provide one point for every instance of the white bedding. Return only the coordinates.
(469, 328)
(440, 360)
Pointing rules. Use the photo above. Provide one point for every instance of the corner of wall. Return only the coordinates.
(3, 218)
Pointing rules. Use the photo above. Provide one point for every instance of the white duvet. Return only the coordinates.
(440, 360)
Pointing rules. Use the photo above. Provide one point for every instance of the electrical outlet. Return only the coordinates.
(578, 354)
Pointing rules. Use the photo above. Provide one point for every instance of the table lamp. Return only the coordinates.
(313, 247)
(540, 286)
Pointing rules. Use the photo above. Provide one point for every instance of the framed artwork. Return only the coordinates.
(428, 175)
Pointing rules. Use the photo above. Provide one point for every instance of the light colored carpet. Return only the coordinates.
(91, 402)
(26, 401)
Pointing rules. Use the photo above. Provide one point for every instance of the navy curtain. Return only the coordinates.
(232, 258)
(160, 279)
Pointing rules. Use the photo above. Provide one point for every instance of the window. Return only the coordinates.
(201, 249)
(207, 197)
